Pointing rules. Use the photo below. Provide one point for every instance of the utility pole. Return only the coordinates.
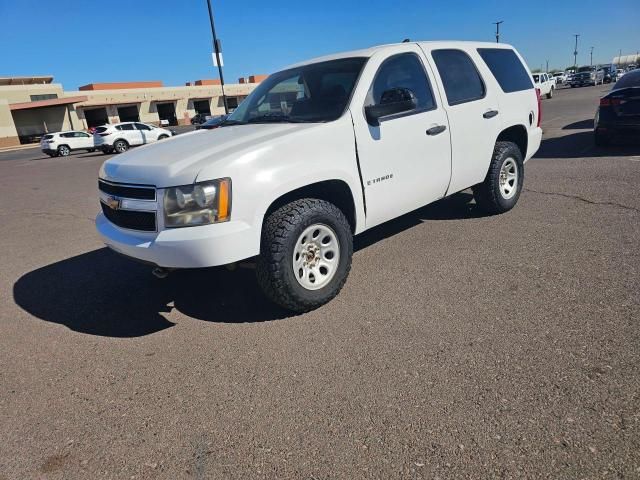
(592, 56)
(547, 70)
(575, 52)
(497, 24)
(217, 50)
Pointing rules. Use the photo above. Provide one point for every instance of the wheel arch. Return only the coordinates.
(334, 191)
(518, 135)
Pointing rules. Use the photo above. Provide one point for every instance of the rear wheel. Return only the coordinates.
(120, 146)
(64, 151)
(107, 151)
(305, 254)
(162, 137)
(550, 94)
(502, 186)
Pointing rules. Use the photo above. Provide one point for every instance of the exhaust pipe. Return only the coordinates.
(160, 272)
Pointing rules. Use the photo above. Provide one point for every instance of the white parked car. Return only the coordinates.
(63, 143)
(545, 83)
(119, 137)
(322, 151)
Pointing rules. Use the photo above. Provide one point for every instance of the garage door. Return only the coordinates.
(96, 117)
(129, 114)
(202, 106)
(167, 111)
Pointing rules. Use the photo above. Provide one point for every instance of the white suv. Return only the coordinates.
(119, 137)
(323, 151)
(63, 143)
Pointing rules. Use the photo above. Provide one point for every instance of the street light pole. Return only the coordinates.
(216, 49)
(547, 70)
(497, 24)
(575, 52)
(592, 56)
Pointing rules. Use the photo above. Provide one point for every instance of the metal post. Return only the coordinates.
(216, 49)
(592, 56)
(575, 53)
(497, 24)
(547, 70)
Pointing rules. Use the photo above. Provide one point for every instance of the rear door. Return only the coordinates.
(405, 160)
(473, 111)
(148, 134)
(132, 135)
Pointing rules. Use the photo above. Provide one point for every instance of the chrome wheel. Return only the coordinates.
(316, 257)
(64, 151)
(508, 178)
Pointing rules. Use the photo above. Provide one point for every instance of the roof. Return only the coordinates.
(25, 80)
(369, 52)
(46, 103)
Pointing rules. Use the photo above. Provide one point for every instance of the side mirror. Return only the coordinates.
(393, 101)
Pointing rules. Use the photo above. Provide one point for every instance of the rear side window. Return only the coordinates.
(48, 137)
(101, 129)
(507, 68)
(461, 80)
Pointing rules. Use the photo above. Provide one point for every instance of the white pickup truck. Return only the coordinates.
(545, 83)
(322, 151)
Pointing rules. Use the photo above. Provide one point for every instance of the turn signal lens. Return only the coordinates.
(224, 200)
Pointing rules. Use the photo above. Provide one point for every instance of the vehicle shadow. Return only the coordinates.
(581, 145)
(458, 206)
(101, 293)
(581, 125)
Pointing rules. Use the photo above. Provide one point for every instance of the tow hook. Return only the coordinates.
(160, 272)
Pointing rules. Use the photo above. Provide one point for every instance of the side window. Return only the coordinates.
(507, 68)
(461, 80)
(402, 71)
(142, 126)
(126, 126)
(80, 135)
(67, 135)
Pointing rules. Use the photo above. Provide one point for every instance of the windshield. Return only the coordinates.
(318, 92)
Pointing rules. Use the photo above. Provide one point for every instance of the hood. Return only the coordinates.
(178, 160)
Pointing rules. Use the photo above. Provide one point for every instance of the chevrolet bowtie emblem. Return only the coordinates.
(113, 203)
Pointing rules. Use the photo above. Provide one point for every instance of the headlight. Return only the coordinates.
(199, 204)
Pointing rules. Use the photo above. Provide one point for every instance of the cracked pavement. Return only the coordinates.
(462, 346)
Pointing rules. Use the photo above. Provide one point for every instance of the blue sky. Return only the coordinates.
(80, 42)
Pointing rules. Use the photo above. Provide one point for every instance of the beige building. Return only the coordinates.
(33, 106)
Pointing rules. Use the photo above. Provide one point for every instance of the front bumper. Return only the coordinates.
(190, 247)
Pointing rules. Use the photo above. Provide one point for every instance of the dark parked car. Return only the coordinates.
(213, 122)
(199, 118)
(619, 110)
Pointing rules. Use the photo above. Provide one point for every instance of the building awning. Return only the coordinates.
(201, 98)
(106, 104)
(46, 103)
(165, 100)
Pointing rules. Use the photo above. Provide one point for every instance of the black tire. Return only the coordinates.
(550, 94)
(488, 194)
(107, 151)
(91, 150)
(573, 86)
(280, 233)
(120, 146)
(162, 137)
(601, 140)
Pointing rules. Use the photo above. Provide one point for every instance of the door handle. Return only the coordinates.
(490, 113)
(436, 130)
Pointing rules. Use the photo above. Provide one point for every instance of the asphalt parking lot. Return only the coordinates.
(462, 346)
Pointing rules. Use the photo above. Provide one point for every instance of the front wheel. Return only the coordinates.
(162, 137)
(305, 254)
(502, 186)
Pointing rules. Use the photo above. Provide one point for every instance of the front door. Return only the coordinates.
(405, 160)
